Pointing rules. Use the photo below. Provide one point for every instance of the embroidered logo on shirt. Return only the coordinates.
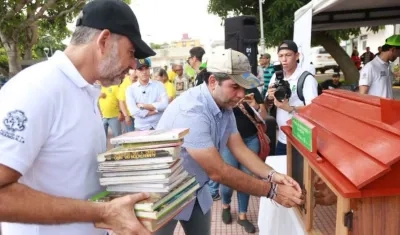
(14, 122)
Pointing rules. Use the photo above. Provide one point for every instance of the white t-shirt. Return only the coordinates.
(378, 76)
(310, 91)
(51, 132)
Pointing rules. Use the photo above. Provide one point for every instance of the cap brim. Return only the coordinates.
(142, 50)
(246, 80)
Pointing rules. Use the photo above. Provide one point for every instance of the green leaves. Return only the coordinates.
(278, 17)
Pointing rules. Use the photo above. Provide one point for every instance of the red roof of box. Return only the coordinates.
(358, 138)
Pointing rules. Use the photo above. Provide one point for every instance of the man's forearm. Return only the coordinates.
(124, 109)
(252, 162)
(22, 204)
(241, 181)
(149, 107)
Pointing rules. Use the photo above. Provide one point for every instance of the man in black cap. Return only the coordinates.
(288, 55)
(51, 131)
(146, 99)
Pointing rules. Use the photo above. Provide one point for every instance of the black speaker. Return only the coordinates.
(241, 34)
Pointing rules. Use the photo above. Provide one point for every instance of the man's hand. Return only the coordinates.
(282, 105)
(121, 117)
(271, 92)
(288, 196)
(286, 180)
(119, 216)
(128, 120)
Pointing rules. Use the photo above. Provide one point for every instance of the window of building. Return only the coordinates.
(363, 40)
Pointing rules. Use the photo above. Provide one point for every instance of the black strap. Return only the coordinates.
(300, 85)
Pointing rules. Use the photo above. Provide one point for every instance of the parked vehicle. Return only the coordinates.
(322, 60)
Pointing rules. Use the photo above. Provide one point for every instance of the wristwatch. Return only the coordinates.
(141, 107)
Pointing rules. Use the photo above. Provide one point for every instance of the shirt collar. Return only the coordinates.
(150, 82)
(63, 63)
(295, 73)
(209, 99)
(381, 61)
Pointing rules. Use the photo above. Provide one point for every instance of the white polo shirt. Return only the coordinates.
(310, 91)
(51, 132)
(378, 76)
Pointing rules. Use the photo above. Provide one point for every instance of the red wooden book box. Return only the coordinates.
(352, 142)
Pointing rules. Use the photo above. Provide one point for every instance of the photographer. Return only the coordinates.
(282, 90)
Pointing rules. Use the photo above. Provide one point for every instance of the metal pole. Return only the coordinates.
(262, 40)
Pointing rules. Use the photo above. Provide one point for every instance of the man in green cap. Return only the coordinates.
(376, 77)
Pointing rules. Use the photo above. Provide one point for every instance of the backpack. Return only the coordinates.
(300, 85)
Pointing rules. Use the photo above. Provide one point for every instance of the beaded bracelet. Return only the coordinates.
(272, 191)
(270, 175)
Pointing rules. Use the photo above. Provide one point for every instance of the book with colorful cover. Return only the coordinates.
(150, 136)
(166, 207)
(121, 153)
(156, 200)
(154, 225)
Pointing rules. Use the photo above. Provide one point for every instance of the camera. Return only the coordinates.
(282, 87)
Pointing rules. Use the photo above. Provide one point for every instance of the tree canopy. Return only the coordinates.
(24, 22)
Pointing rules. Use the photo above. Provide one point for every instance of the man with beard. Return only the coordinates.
(51, 131)
(207, 111)
(376, 77)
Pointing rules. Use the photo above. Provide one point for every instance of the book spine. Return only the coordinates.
(136, 155)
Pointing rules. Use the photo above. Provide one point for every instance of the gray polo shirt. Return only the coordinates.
(209, 127)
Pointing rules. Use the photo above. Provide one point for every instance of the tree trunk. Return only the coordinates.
(350, 72)
(28, 52)
(31, 34)
(11, 47)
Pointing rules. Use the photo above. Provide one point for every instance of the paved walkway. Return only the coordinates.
(219, 228)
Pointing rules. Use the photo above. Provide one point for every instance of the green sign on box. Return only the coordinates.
(304, 132)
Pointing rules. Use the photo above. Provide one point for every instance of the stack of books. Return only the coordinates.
(148, 161)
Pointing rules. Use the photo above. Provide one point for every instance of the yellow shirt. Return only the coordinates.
(171, 75)
(122, 90)
(109, 104)
(171, 92)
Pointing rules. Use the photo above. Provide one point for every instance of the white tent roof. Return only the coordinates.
(340, 14)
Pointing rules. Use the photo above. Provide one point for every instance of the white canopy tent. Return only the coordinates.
(321, 15)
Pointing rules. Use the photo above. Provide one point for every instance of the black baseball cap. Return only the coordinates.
(288, 45)
(118, 17)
